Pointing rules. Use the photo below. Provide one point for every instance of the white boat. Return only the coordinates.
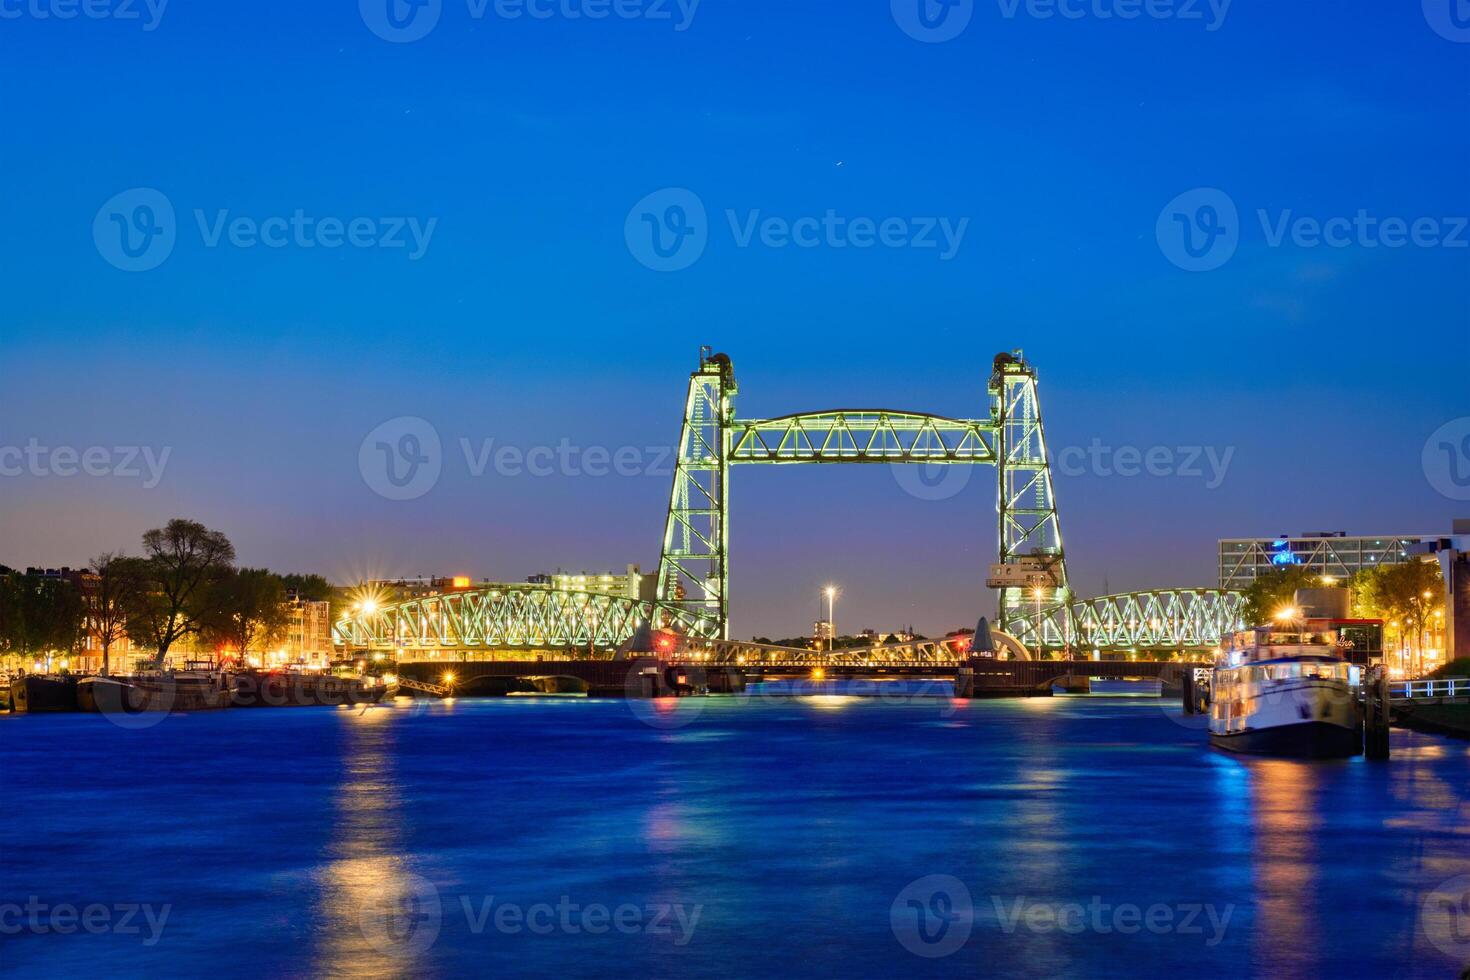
(1285, 689)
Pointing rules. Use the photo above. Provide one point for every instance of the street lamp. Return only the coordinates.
(831, 616)
(1040, 633)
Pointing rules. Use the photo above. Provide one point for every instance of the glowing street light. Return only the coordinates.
(831, 592)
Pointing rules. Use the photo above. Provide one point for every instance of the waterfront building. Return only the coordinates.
(1331, 554)
(630, 584)
(308, 638)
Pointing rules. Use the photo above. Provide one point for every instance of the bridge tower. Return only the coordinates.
(693, 569)
(1030, 533)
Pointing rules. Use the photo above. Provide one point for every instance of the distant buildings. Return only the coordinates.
(1328, 553)
(632, 583)
(308, 638)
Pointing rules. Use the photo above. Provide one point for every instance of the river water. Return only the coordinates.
(822, 836)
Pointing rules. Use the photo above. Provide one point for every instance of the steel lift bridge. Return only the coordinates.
(1035, 603)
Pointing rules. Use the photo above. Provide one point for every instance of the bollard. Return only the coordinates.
(1376, 715)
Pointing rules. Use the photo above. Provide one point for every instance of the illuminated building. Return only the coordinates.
(1331, 554)
(631, 584)
(308, 638)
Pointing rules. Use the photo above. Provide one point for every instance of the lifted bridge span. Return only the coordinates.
(1033, 601)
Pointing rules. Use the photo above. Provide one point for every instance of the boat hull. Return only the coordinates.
(140, 695)
(1307, 740)
(34, 694)
(291, 690)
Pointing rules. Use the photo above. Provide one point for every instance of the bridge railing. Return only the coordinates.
(1449, 687)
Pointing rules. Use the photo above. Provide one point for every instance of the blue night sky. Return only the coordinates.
(529, 320)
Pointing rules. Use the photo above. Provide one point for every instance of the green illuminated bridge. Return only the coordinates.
(1033, 600)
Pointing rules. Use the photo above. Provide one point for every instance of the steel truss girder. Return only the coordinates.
(497, 617)
(1161, 619)
(863, 436)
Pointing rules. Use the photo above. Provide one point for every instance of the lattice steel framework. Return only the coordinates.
(496, 617)
(1163, 619)
(1027, 506)
(694, 565)
(693, 576)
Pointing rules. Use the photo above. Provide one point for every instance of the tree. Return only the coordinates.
(117, 581)
(49, 616)
(183, 560)
(1274, 590)
(9, 612)
(1410, 593)
(247, 608)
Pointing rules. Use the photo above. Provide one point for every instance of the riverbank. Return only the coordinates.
(1452, 720)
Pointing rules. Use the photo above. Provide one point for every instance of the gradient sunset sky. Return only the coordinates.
(1321, 371)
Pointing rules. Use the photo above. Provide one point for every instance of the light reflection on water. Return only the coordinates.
(791, 823)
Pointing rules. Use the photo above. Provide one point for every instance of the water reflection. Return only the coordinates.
(1285, 860)
(373, 904)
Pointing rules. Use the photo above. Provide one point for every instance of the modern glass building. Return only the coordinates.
(1328, 553)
